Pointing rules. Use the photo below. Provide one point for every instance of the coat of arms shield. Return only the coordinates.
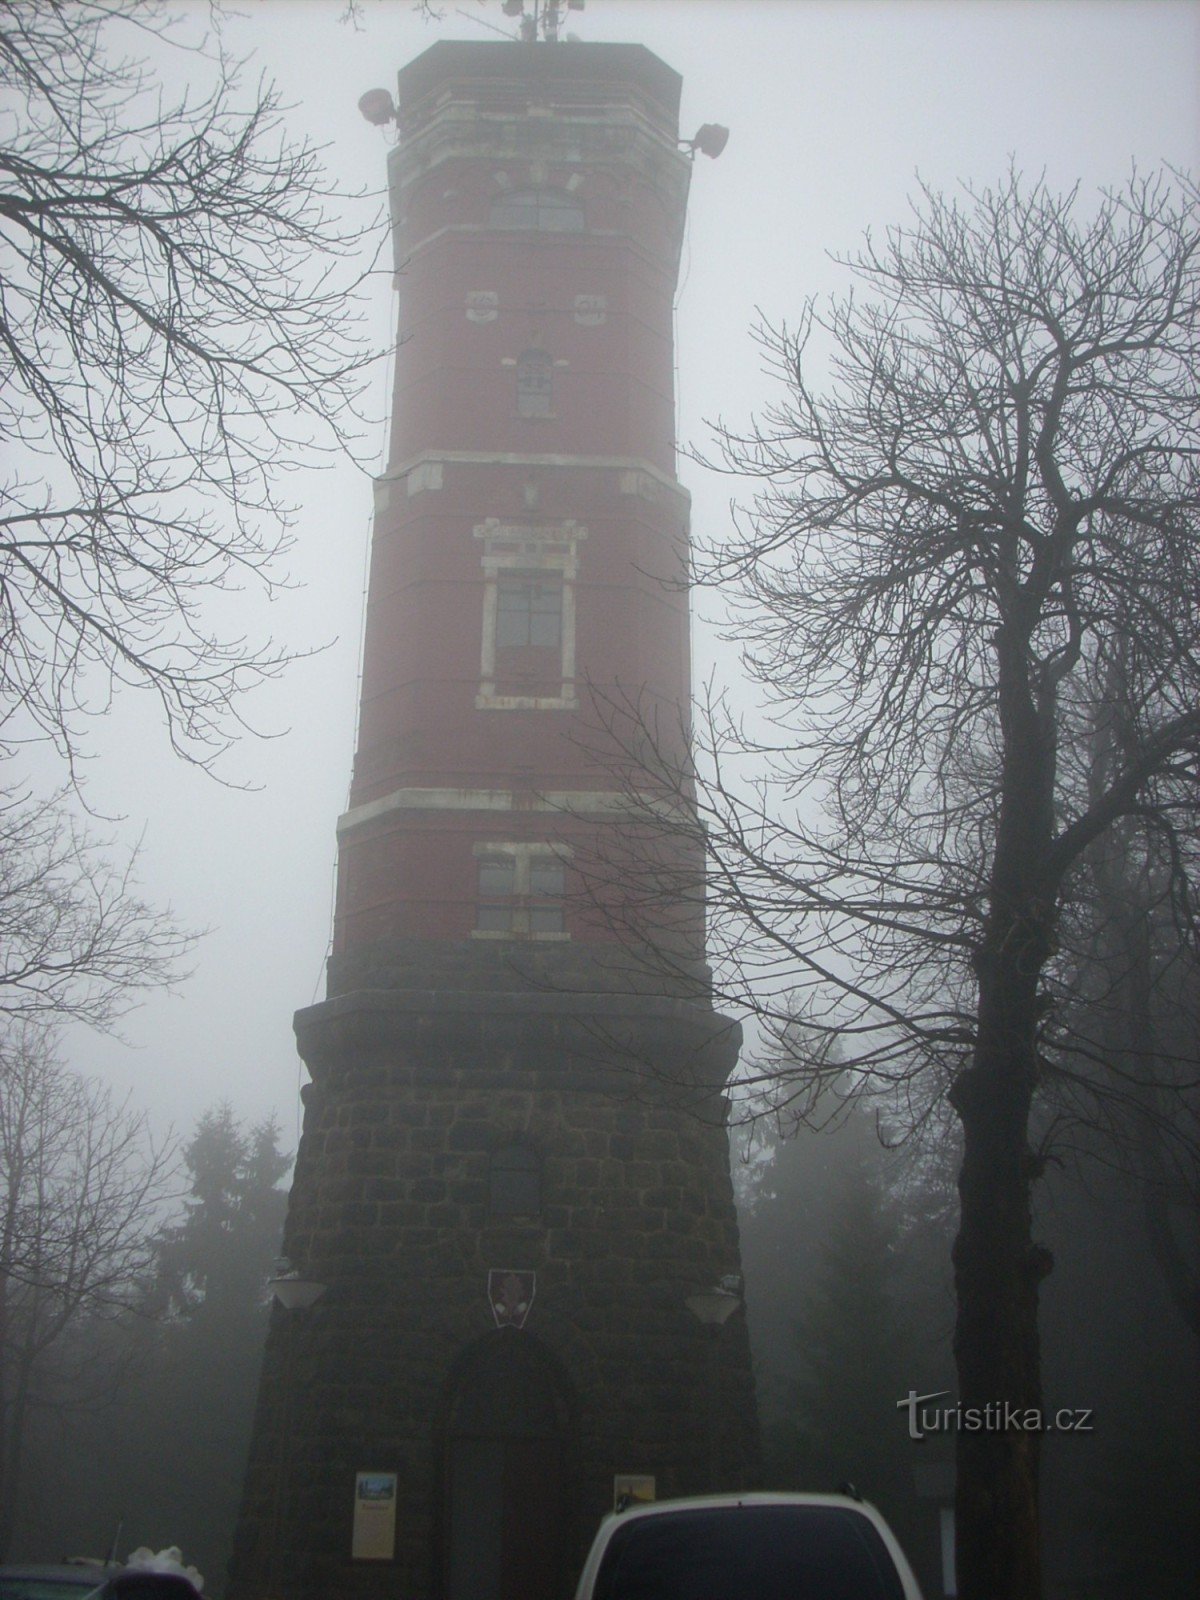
(510, 1295)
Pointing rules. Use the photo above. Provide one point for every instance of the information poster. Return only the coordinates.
(632, 1489)
(374, 1517)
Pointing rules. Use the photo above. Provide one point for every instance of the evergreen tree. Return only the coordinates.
(845, 1245)
(212, 1264)
(213, 1267)
(174, 1444)
(852, 1347)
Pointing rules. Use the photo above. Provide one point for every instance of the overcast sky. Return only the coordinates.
(835, 107)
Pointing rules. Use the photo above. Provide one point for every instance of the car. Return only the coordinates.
(64, 1580)
(147, 1583)
(731, 1547)
(79, 1580)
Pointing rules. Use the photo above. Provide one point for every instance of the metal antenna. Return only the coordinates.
(535, 18)
(472, 16)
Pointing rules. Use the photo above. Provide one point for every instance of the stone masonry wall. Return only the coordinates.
(390, 1209)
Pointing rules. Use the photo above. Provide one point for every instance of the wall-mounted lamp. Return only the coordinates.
(710, 140)
(713, 1307)
(378, 107)
(295, 1293)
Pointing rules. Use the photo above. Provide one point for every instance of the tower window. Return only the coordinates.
(535, 384)
(546, 210)
(514, 1182)
(528, 612)
(497, 894)
(527, 640)
(546, 885)
(521, 888)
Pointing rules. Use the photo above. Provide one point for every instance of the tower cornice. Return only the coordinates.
(603, 1038)
(572, 69)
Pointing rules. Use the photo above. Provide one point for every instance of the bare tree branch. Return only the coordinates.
(81, 1184)
(76, 942)
(176, 327)
(986, 495)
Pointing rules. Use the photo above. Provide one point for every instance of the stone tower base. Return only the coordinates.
(572, 1146)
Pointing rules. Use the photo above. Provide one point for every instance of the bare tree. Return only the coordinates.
(174, 329)
(1125, 1081)
(78, 943)
(979, 489)
(81, 1183)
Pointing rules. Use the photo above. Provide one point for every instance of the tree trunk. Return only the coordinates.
(5, 1406)
(998, 1269)
(16, 1420)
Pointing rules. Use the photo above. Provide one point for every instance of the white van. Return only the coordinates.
(748, 1547)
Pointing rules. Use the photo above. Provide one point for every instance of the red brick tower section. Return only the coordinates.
(530, 524)
(514, 1171)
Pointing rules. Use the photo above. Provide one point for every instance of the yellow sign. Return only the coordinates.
(632, 1489)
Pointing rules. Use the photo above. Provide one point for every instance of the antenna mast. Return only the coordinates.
(540, 18)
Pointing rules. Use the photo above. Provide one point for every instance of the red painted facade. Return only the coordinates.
(529, 532)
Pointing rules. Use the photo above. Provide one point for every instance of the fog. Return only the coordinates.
(835, 110)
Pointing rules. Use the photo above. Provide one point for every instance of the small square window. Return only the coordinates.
(535, 384)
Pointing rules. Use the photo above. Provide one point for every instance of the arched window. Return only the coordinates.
(515, 1182)
(546, 210)
(535, 384)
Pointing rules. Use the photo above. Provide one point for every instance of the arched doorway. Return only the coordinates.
(507, 1487)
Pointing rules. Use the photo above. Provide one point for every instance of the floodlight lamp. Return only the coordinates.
(378, 107)
(711, 139)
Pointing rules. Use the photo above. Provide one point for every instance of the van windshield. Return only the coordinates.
(749, 1553)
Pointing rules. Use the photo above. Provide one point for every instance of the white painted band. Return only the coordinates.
(567, 802)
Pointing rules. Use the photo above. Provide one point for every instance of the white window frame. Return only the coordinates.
(514, 549)
(523, 855)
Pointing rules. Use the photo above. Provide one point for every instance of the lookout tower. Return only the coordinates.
(512, 1194)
